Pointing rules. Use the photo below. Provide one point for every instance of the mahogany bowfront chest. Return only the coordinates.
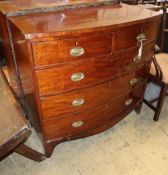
(81, 70)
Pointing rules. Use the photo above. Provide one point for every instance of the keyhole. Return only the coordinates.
(76, 43)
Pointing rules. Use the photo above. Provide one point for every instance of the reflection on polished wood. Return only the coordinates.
(56, 23)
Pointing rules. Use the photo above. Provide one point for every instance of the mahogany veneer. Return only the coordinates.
(56, 105)
(79, 68)
(58, 51)
(94, 117)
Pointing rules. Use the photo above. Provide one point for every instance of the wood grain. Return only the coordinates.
(95, 71)
(13, 127)
(127, 36)
(55, 106)
(62, 126)
(52, 52)
(108, 36)
(82, 21)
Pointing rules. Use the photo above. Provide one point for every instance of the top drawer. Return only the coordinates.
(59, 51)
(127, 37)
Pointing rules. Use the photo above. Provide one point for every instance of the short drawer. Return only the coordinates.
(95, 71)
(88, 98)
(127, 37)
(74, 123)
(67, 50)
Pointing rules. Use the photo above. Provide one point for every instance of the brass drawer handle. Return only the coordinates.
(137, 59)
(133, 81)
(141, 37)
(77, 76)
(128, 102)
(78, 102)
(77, 124)
(77, 51)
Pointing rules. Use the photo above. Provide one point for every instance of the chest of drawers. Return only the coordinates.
(83, 70)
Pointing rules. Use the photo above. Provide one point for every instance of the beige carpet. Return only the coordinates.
(135, 146)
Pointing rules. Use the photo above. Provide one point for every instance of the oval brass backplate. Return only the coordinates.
(77, 76)
(77, 124)
(78, 102)
(133, 81)
(141, 37)
(137, 59)
(77, 51)
(128, 102)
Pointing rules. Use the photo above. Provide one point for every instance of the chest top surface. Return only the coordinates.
(58, 23)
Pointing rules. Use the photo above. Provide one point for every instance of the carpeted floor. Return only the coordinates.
(135, 146)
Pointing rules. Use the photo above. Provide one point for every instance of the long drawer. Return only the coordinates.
(84, 74)
(84, 99)
(74, 123)
(59, 51)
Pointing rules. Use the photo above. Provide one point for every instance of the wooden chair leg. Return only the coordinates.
(29, 153)
(138, 108)
(160, 102)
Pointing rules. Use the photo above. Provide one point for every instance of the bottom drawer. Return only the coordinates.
(73, 123)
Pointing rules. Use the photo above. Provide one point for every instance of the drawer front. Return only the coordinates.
(53, 52)
(84, 74)
(90, 97)
(71, 124)
(127, 37)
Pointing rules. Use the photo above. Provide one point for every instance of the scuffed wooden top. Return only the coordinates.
(88, 19)
(20, 7)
